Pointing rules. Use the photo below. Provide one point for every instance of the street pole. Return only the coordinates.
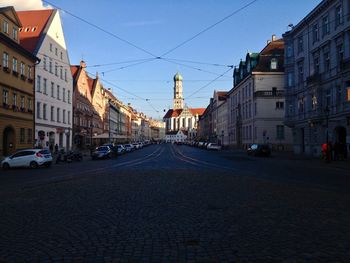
(109, 121)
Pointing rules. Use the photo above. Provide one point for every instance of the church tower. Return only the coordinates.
(178, 98)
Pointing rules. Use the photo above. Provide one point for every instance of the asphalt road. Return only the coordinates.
(169, 203)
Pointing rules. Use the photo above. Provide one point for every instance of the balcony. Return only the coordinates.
(313, 79)
(269, 93)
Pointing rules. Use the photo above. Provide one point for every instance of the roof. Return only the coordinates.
(74, 69)
(34, 24)
(175, 113)
(10, 12)
(271, 50)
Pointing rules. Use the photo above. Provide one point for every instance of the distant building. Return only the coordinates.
(16, 86)
(176, 136)
(256, 102)
(42, 34)
(181, 117)
(317, 78)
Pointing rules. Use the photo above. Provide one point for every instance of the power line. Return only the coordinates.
(208, 28)
(102, 29)
(199, 62)
(116, 63)
(128, 66)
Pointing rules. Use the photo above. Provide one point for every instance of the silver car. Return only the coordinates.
(32, 158)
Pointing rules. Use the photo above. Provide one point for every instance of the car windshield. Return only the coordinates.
(44, 152)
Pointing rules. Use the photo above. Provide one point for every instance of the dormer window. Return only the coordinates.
(274, 64)
(5, 27)
(15, 33)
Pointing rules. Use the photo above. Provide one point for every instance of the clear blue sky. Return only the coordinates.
(159, 25)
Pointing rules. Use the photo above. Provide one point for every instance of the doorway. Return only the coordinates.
(9, 141)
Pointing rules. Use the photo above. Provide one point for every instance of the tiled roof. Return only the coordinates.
(74, 70)
(198, 111)
(34, 23)
(273, 49)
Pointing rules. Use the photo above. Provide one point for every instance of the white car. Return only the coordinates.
(136, 146)
(32, 158)
(213, 146)
(129, 147)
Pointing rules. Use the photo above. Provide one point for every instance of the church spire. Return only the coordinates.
(178, 98)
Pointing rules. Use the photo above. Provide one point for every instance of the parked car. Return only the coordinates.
(102, 152)
(136, 146)
(129, 147)
(213, 146)
(120, 149)
(32, 158)
(200, 144)
(259, 150)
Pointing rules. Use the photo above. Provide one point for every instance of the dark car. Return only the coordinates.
(102, 152)
(259, 150)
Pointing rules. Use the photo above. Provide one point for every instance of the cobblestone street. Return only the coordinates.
(170, 203)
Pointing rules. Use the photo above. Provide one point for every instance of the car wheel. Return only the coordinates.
(5, 166)
(33, 165)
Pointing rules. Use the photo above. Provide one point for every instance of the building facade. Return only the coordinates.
(256, 102)
(317, 80)
(42, 34)
(16, 87)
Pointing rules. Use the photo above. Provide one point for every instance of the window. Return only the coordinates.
(38, 110)
(58, 115)
(300, 44)
(14, 65)
(22, 69)
(45, 86)
(279, 105)
(65, 74)
(301, 104)
(316, 64)
(338, 15)
(38, 83)
(69, 117)
(325, 26)
(15, 33)
(61, 72)
(280, 132)
(328, 97)
(29, 72)
(14, 100)
(301, 72)
(61, 55)
(44, 111)
(45, 63)
(5, 27)
(30, 106)
(255, 109)
(50, 65)
(64, 94)
(289, 51)
(327, 61)
(5, 60)
(21, 135)
(315, 36)
(339, 95)
(22, 102)
(64, 116)
(68, 96)
(52, 113)
(52, 89)
(51, 47)
(30, 136)
(274, 64)
(56, 69)
(58, 92)
(56, 51)
(5, 96)
(348, 94)
(340, 55)
(313, 102)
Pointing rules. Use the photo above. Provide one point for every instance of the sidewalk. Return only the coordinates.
(290, 156)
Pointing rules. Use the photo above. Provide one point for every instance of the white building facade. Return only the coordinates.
(256, 102)
(42, 34)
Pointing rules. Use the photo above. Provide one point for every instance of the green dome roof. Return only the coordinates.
(177, 77)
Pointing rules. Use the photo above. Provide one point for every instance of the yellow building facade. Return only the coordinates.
(16, 87)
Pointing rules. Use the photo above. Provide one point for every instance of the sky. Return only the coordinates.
(157, 26)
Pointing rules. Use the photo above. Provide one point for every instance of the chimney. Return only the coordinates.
(268, 42)
(83, 64)
(274, 37)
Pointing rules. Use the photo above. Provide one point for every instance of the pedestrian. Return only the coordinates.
(51, 147)
(56, 148)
